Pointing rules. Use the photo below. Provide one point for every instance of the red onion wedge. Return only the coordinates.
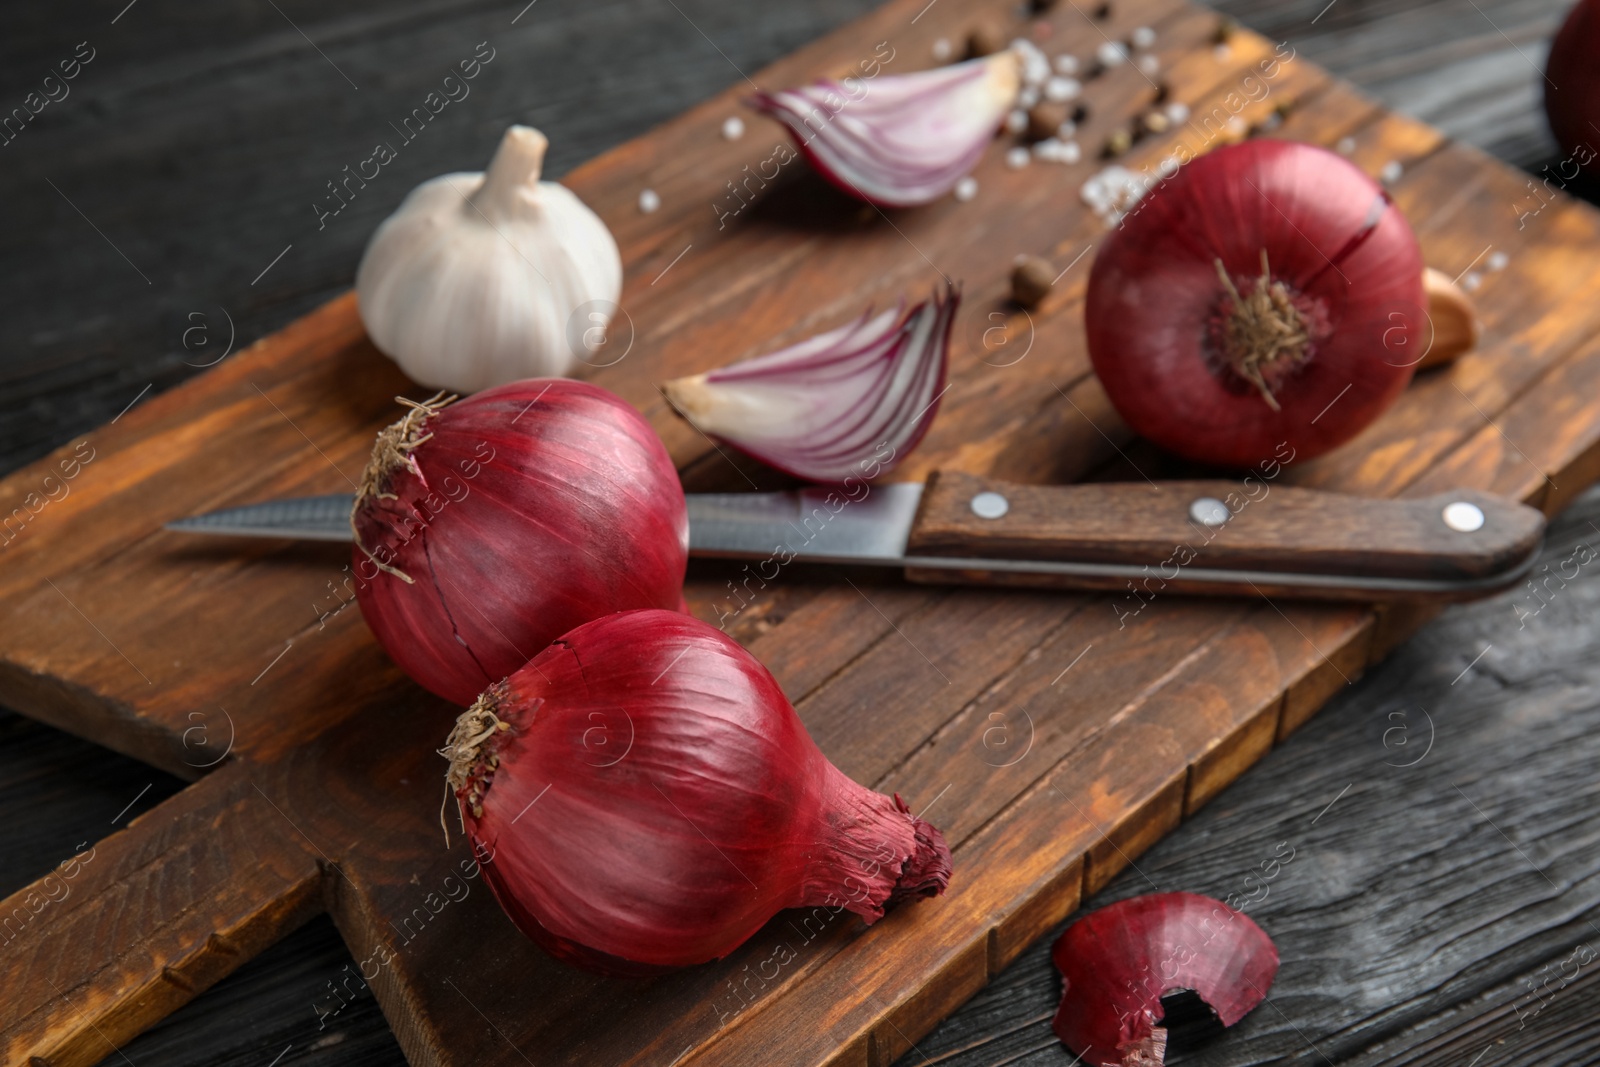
(1119, 963)
(835, 404)
(900, 140)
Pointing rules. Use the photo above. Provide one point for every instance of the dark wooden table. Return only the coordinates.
(1444, 811)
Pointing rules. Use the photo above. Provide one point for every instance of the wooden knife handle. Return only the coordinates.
(1259, 526)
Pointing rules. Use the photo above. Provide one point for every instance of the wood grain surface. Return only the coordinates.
(1150, 525)
(1478, 453)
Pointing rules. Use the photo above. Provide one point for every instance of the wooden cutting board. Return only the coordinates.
(1051, 736)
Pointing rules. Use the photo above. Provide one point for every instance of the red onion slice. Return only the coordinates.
(901, 140)
(836, 404)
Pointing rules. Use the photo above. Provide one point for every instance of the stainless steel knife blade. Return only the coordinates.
(870, 525)
(816, 524)
(302, 518)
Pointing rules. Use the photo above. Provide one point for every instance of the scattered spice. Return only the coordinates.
(1497, 261)
(1055, 150)
(1031, 280)
(1103, 11)
(1224, 30)
(1111, 54)
(1017, 158)
(966, 188)
(1117, 144)
(1345, 146)
(1112, 192)
(1046, 119)
(943, 50)
(1059, 89)
(649, 200)
(984, 40)
(1391, 172)
(1035, 64)
(732, 128)
(1142, 38)
(1155, 122)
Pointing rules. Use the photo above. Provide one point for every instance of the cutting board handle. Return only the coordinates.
(126, 931)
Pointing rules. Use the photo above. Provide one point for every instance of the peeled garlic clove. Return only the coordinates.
(481, 279)
(1455, 325)
(900, 140)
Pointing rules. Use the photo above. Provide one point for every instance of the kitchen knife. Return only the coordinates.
(1212, 537)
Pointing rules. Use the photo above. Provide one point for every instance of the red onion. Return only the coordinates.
(487, 528)
(650, 800)
(899, 140)
(827, 408)
(1119, 962)
(1572, 89)
(1267, 294)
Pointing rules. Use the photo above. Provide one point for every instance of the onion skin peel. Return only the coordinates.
(1118, 962)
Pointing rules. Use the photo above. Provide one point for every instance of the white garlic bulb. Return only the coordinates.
(481, 279)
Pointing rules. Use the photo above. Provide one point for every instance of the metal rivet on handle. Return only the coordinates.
(1463, 517)
(989, 505)
(1209, 511)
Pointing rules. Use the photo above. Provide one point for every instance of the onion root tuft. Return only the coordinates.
(1263, 331)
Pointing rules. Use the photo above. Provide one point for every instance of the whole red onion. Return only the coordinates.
(487, 528)
(1572, 85)
(1267, 295)
(650, 800)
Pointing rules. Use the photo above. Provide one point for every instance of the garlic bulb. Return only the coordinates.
(482, 279)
